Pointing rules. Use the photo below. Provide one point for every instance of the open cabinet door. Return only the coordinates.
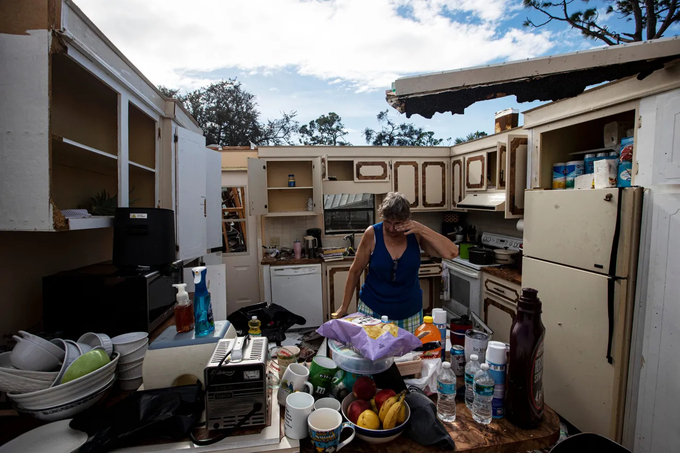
(516, 181)
(191, 194)
(257, 186)
(317, 180)
(213, 191)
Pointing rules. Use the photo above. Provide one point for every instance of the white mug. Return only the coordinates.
(328, 403)
(294, 379)
(298, 407)
(325, 427)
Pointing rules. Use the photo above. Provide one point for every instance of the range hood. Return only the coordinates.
(483, 201)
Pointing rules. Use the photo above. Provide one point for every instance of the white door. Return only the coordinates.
(577, 378)
(213, 183)
(585, 220)
(499, 317)
(317, 184)
(516, 179)
(667, 147)
(406, 180)
(434, 183)
(191, 194)
(243, 282)
(475, 170)
(257, 186)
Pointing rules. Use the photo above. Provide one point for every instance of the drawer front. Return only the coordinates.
(429, 270)
(505, 290)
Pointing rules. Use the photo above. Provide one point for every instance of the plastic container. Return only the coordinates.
(427, 332)
(291, 180)
(439, 320)
(559, 175)
(497, 359)
(589, 163)
(297, 249)
(574, 168)
(254, 327)
(353, 362)
(203, 314)
(446, 394)
(184, 310)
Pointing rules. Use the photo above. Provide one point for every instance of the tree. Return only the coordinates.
(405, 134)
(470, 136)
(652, 16)
(169, 92)
(281, 131)
(325, 130)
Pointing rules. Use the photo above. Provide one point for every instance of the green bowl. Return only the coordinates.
(464, 250)
(85, 364)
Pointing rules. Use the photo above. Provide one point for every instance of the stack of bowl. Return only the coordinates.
(132, 349)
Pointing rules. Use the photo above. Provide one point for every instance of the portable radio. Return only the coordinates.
(233, 389)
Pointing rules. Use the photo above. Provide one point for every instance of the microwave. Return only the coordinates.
(103, 298)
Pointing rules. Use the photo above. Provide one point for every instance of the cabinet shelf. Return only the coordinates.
(75, 148)
(90, 223)
(290, 214)
(288, 188)
(143, 167)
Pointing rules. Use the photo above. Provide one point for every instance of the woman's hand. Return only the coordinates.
(410, 227)
(339, 314)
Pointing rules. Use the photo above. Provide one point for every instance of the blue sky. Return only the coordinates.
(315, 57)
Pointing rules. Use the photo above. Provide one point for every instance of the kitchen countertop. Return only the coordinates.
(506, 273)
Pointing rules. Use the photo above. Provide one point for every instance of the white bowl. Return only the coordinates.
(128, 342)
(28, 355)
(84, 348)
(59, 394)
(69, 408)
(71, 354)
(124, 366)
(375, 436)
(130, 384)
(12, 383)
(97, 339)
(7, 368)
(131, 373)
(136, 354)
(52, 348)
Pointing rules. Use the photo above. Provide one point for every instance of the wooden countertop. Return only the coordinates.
(506, 273)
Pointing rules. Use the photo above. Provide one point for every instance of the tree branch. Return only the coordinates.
(671, 17)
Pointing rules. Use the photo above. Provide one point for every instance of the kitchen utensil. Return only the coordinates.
(83, 347)
(298, 407)
(50, 347)
(321, 374)
(137, 354)
(311, 245)
(503, 256)
(463, 249)
(85, 364)
(97, 339)
(129, 365)
(28, 355)
(328, 403)
(375, 436)
(325, 428)
(480, 255)
(55, 437)
(316, 232)
(129, 342)
(285, 356)
(295, 379)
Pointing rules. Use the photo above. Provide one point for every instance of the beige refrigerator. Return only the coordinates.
(580, 253)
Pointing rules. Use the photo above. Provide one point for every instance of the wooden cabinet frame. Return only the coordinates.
(482, 159)
(512, 182)
(384, 176)
(441, 204)
(461, 185)
(331, 287)
(413, 164)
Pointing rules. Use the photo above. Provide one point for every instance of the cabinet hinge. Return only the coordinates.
(176, 138)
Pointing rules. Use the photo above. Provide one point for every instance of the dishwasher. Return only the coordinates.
(298, 289)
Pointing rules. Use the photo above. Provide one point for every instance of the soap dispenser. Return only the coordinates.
(184, 310)
(203, 314)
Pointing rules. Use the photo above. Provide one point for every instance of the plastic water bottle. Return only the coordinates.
(471, 369)
(446, 394)
(484, 383)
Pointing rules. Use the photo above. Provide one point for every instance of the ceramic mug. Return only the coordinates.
(285, 356)
(327, 403)
(325, 426)
(298, 407)
(293, 380)
(321, 375)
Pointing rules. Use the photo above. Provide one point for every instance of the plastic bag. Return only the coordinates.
(274, 320)
(369, 336)
(427, 382)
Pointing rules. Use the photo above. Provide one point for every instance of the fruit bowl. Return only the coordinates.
(375, 436)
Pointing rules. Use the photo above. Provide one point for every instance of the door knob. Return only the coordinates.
(608, 197)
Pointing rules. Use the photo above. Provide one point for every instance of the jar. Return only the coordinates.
(291, 180)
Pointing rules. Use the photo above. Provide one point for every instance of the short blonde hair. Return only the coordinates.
(395, 206)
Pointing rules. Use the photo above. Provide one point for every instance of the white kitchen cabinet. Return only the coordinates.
(371, 170)
(500, 305)
(475, 171)
(270, 194)
(406, 180)
(516, 162)
(457, 181)
(433, 172)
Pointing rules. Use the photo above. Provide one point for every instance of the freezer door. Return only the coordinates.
(579, 382)
(571, 227)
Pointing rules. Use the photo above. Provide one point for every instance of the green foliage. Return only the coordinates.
(103, 204)
(652, 16)
(169, 92)
(325, 130)
(470, 136)
(404, 134)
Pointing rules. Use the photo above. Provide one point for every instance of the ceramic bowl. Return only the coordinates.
(49, 346)
(7, 368)
(60, 394)
(375, 436)
(97, 339)
(12, 383)
(129, 342)
(128, 365)
(84, 348)
(130, 385)
(71, 354)
(86, 364)
(131, 373)
(28, 355)
(136, 354)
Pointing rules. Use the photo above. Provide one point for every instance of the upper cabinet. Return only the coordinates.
(457, 184)
(285, 187)
(475, 171)
(406, 180)
(372, 170)
(423, 181)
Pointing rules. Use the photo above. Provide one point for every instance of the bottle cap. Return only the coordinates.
(497, 353)
(439, 316)
(446, 365)
(254, 318)
(182, 295)
(384, 319)
(474, 357)
(484, 366)
(427, 319)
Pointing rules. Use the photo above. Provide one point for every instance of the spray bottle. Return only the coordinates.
(184, 310)
(203, 314)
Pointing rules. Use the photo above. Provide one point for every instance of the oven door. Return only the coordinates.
(465, 290)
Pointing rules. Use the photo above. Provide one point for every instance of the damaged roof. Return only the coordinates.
(538, 79)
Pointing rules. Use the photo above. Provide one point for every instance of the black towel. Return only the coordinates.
(424, 427)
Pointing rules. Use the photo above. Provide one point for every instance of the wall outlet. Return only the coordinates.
(275, 241)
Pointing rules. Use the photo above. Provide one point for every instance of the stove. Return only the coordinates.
(499, 241)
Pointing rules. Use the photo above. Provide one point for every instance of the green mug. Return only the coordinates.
(321, 375)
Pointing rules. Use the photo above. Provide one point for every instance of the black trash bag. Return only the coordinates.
(275, 320)
(167, 413)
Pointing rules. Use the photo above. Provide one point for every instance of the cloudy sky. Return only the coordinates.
(316, 56)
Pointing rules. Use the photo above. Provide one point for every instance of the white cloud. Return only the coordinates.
(364, 43)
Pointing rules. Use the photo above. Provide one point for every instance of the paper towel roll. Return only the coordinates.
(520, 225)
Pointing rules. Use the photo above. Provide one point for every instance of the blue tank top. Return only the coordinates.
(402, 297)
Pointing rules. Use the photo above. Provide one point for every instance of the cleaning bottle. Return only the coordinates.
(254, 327)
(184, 310)
(431, 339)
(203, 314)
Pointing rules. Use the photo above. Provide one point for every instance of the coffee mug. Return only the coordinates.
(285, 356)
(293, 380)
(321, 375)
(325, 426)
(327, 403)
(298, 407)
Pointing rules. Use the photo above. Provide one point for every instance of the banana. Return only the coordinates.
(402, 415)
(387, 405)
(374, 408)
(394, 412)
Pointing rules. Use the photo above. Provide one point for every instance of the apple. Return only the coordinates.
(364, 388)
(356, 408)
(383, 396)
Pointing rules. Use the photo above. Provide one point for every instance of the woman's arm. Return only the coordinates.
(432, 242)
(361, 260)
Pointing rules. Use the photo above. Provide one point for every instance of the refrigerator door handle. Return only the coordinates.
(611, 283)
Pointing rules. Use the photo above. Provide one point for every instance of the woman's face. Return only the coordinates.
(390, 227)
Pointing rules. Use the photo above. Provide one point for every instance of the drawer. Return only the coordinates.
(429, 270)
(505, 290)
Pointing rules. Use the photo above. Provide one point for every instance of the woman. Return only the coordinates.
(391, 249)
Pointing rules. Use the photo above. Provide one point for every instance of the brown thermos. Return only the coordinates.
(524, 388)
